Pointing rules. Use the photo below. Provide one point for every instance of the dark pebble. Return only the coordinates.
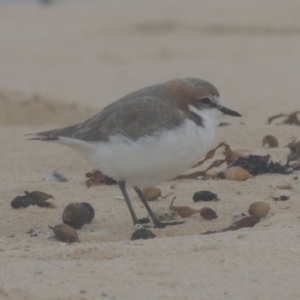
(208, 214)
(142, 234)
(205, 196)
(90, 209)
(76, 215)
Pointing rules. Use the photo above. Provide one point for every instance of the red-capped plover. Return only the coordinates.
(148, 136)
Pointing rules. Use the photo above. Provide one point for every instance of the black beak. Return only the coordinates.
(229, 112)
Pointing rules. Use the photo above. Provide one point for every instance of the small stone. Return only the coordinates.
(142, 234)
(205, 196)
(259, 209)
(151, 193)
(208, 214)
(77, 214)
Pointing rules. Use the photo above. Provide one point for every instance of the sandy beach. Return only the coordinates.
(61, 63)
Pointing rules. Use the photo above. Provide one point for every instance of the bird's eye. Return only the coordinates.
(205, 101)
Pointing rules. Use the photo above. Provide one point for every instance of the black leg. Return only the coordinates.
(156, 222)
(122, 186)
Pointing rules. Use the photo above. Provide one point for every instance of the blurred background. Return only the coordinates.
(90, 53)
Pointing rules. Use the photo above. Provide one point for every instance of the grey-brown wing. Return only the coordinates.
(131, 117)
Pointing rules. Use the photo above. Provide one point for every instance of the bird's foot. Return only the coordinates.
(158, 224)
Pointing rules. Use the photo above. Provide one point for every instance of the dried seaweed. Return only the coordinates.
(291, 119)
(257, 165)
(254, 164)
(97, 178)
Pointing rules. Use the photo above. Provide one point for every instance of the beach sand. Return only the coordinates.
(62, 63)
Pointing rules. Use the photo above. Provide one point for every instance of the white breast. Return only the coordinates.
(151, 159)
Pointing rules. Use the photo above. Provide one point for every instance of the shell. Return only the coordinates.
(185, 211)
(259, 209)
(271, 141)
(65, 233)
(235, 173)
(76, 215)
(151, 193)
(208, 214)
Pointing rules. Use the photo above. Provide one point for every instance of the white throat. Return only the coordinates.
(210, 116)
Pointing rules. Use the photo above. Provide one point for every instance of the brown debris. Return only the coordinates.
(254, 164)
(207, 213)
(65, 233)
(271, 141)
(97, 178)
(230, 156)
(291, 119)
(242, 223)
(183, 211)
(186, 211)
(34, 198)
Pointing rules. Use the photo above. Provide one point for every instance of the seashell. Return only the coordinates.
(78, 214)
(271, 141)
(183, 211)
(235, 173)
(151, 193)
(142, 234)
(205, 196)
(259, 209)
(207, 213)
(65, 233)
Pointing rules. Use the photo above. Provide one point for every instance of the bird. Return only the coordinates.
(148, 136)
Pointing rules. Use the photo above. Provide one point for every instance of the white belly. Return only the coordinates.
(149, 160)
